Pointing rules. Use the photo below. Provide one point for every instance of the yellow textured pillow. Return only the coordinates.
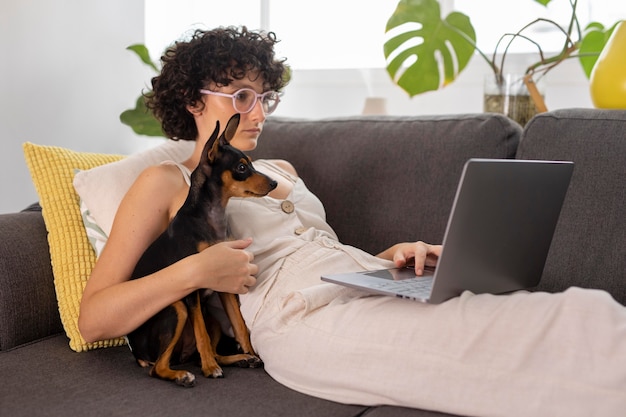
(52, 170)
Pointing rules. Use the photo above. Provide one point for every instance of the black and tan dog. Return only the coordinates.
(176, 333)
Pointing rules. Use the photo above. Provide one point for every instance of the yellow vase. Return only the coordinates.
(607, 81)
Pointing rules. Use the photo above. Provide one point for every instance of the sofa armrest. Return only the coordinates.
(28, 306)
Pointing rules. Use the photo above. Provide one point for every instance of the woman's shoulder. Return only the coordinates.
(164, 175)
(283, 165)
(162, 185)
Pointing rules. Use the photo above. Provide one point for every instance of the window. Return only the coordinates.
(167, 21)
(333, 34)
(322, 34)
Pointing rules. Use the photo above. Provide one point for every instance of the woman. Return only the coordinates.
(473, 355)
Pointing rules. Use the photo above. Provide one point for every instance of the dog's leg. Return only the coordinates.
(161, 368)
(210, 367)
(249, 358)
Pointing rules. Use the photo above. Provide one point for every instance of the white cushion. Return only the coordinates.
(101, 189)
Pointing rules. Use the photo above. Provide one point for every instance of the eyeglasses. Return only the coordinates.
(245, 99)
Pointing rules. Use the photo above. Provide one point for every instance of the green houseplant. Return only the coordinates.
(140, 119)
(430, 52)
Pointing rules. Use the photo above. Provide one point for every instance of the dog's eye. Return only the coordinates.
(241, 168)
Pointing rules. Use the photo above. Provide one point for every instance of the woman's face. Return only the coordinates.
(220, 108)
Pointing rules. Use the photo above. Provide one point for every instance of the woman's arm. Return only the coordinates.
(422, 254)
(112, 304)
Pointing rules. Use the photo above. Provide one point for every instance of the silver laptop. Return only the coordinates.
(498, 235)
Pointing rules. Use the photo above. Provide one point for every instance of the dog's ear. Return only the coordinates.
(231, 129)
(210, 148)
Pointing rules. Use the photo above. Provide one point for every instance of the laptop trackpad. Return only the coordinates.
(399, 274)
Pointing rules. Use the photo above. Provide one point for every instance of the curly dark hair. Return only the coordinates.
(220, 55)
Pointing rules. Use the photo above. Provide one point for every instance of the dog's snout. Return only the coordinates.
(273, 184)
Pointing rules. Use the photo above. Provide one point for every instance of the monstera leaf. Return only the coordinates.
(425, 52)
(429, 52)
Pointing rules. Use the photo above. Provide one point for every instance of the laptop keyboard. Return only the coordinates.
(418, 287)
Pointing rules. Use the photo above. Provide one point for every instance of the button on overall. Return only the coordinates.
(287, 206)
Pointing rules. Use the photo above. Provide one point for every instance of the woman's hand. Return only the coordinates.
(420, 253)
(227, 267)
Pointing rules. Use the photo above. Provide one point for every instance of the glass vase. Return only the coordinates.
(510, 96)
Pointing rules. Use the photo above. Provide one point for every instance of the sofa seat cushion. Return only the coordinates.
(47, 378)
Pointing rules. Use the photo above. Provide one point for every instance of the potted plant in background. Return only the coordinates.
(432, 52)
(140, 119)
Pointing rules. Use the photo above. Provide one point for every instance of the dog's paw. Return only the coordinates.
(250, 362)
(214, 373)
(187, 380)
(255, 362)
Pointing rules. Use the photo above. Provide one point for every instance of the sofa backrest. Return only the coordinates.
(589, 246)
(387, 179)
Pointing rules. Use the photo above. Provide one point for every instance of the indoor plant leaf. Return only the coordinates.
(431, 51)
(592, 44)
(141, 120)
(142, 52)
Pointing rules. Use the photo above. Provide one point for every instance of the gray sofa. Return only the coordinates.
(382, 180)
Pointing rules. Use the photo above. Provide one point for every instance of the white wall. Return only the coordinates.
(65, 76)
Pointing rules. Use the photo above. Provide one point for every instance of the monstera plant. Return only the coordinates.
(430, 52)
